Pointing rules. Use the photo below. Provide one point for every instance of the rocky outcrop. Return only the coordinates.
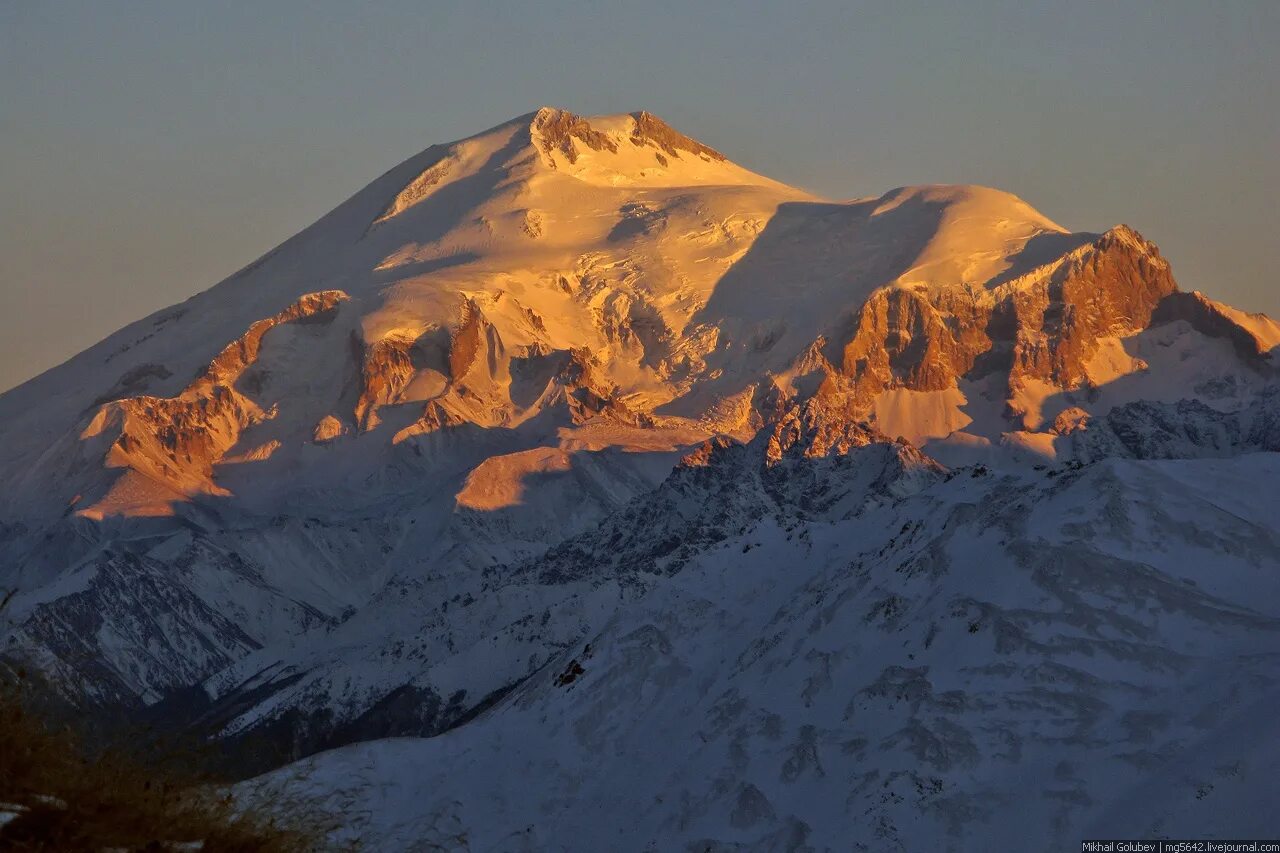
(328, 429)
(227, 367)
(805, 469)
(1110, 288)
(175, 442)
(1045, 325)
(420, 187)
(906, 339)
(386, 368)
(133, 601)
(651, 130)
(561, 131)
(1187, 429)
(477, 355)
(823, 425)
(590, 395)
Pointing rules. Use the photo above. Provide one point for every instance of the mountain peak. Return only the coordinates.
(654, 131)
(557, 130)
(635, 146)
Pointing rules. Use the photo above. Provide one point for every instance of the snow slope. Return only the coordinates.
(991, 660)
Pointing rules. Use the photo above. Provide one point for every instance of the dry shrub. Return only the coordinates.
(68, 797)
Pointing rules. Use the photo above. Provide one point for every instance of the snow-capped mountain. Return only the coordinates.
(735, 515)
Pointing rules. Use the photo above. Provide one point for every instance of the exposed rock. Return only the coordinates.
(386, 368)
(421, 187)
(328, 429)
(238, 355)
(825, 424)
(561, 131)
(651, 130)
(1044, 325)
(1110, 288)
(1187, 429)
(174, 442)
(903, 339)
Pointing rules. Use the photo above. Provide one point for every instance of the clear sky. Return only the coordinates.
(149, 149)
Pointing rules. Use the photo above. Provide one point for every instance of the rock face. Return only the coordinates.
(870, 511)
(654, 131)
(558, 130)
(1109, 290)
(1044, 326)
(175, 442)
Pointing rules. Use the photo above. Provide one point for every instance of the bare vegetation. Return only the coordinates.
(56, 794)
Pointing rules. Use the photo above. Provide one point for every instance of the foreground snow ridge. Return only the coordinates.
(571, 487)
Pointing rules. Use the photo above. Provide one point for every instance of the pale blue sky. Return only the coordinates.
(148, 149)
